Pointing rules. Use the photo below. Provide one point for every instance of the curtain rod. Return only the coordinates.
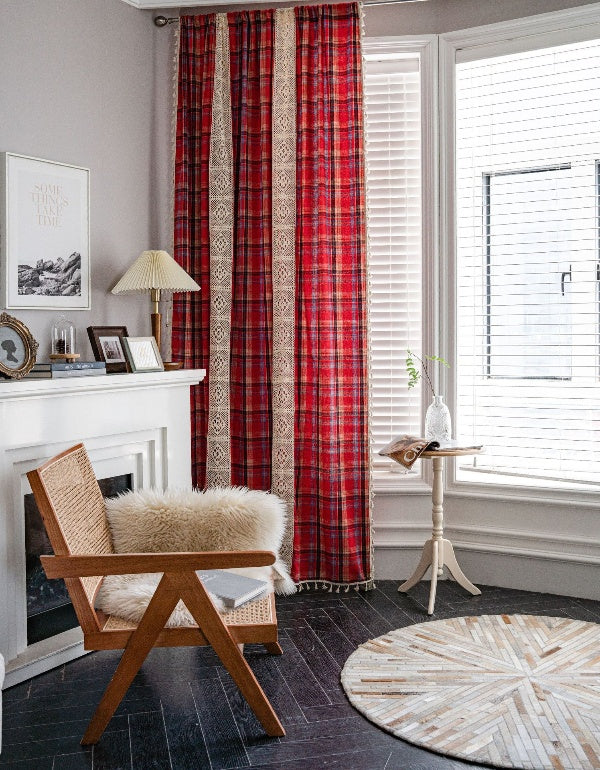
(163, 21)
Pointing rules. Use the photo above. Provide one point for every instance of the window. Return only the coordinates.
(393, 101)
(529, 273)
(527, 140)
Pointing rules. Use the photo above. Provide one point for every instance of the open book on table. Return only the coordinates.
(406, 450)
(231, 588)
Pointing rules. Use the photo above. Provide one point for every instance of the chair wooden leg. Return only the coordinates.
(140, 643)
(273, 648)
(214, 629)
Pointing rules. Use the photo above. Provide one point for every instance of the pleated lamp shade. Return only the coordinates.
(155, 270)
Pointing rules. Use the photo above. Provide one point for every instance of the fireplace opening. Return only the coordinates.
(49, 609)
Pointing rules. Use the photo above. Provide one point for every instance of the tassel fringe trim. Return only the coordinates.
(327, 585)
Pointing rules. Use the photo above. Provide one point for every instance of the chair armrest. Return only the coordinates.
(136, 563)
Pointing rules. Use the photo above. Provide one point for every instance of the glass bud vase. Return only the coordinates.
(438, 426)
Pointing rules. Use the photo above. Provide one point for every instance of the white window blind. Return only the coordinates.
(393, 153)
(527, 153)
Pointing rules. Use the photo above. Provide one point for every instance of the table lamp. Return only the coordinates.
(154, 271)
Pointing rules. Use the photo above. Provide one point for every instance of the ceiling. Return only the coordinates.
(162, 4)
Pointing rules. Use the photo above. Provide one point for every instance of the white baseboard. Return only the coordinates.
(45, 655)
(573, 573)
(532, 545)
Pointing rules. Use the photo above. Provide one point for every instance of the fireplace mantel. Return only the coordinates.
(26, 389)
(137, 424)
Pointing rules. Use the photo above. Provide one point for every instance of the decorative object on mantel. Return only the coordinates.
(511, 691)
(107, 345)
(61, 369)
(17, 348)
(63, 340)
(45, 230)
(155, 271)
(438, 425)
(143, 354)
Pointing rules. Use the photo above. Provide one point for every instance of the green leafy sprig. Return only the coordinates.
(413, 369)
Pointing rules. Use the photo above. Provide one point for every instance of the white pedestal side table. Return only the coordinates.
(437, 551)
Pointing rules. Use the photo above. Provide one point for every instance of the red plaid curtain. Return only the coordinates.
(332, 539)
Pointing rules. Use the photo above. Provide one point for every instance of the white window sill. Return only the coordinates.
(386, 482)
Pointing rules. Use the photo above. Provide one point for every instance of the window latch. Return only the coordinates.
(562, 280)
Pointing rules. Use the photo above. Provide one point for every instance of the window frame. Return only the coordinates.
(488, 177)
(426, 46)
(534, 32)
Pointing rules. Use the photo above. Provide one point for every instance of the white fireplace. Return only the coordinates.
(134, 424)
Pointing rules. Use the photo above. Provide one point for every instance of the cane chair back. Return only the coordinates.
(74, 514)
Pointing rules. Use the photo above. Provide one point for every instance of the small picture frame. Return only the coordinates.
(17, 348)
(143, 354)
(107, 345)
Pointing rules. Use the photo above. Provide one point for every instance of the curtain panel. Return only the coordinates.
(270, 221)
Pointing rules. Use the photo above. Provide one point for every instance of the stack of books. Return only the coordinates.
(61, 369)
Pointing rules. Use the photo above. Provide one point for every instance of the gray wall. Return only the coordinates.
(89, 82)
(437, 16)
(430, 17)
(77, 86)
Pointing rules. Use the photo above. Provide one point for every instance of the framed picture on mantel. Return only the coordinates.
(108, 346)
(45, 234)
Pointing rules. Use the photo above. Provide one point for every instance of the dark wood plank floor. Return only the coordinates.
(184, 713)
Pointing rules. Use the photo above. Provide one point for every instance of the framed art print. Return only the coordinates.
(45, 234)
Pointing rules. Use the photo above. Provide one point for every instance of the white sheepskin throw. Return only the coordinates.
(219, 519)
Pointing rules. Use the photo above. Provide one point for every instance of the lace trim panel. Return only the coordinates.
(283, 266)
(218, 461)
(170, 224)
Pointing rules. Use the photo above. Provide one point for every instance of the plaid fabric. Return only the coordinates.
(332, 510)
(332, 517)
(251, 56)
(191, 311)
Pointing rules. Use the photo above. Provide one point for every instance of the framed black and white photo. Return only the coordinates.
(17, 348)
(108, 346)
(143, 354)
(45, 234)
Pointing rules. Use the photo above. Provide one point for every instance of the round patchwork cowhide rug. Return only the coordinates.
(517, 691)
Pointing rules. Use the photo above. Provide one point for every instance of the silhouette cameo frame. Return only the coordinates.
(18, 348)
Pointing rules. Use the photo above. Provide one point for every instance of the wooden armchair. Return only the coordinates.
(72, 507)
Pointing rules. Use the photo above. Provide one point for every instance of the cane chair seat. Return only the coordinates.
(259, 611)
(73, 510)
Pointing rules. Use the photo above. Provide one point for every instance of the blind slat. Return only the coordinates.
(393, 155)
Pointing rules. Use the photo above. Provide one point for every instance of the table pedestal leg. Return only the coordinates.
(438, 551)
(456, 571)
